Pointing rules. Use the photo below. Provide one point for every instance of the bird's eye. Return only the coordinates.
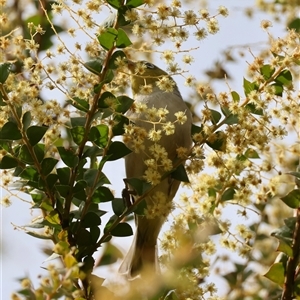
(149, 65)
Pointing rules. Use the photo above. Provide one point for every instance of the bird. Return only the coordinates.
(142, 254)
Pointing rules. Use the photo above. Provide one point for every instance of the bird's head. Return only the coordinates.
(145, 73)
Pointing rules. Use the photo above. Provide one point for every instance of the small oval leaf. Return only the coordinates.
(48, 164)
(68, 157)
(118, 206)
(117, 150)
(91, 219)
(8, 162)
(10, 131)
(215, 116)
(276, 273)
(107, 39)
(123, 40)
(4, 71)
(292, 199)
(94, 66)
(122, 229)
(35, 134)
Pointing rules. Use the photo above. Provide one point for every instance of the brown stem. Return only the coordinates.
(289, 283)
(88, 123)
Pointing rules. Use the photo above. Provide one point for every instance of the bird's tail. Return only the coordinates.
(142, 255)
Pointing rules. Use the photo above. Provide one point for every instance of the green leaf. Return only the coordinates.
(123, 40)
(63, 175)
(39, 235)
(219, 142)
(109, 76)
(290, 223)
(53, 219)
(180, 174)
(79, 190)
(63, 189)
(51, 179)
(292, 199)
(78, 134)
(39, 151)
(296, 174)
(235, 96)
(107, 112)
(110, 255)
(118, 206)
(94, 66)
(139, 185)
(102, 194)
(122, 229)
(68, 157)
(284, 78)
(8, 162)
(285, 233)
(249, 86)
(88, 264)
(108, 225)
(267, 71)
(256, 111)
(230, 118)
(117, 150)
(124, 103)
(99, 135)
(106, 100)
(10, 131)
(140, 208)
(48, 164)
(26, 120)
(196, 129)
(90, 220)
(25, 156)
(285, 248)
(84, 237)
(212, 192)
(6, 145)
(294, 24)
(27, 293)
(251, 153)
(79, 186)
(78, 121)
(107, 39)
(122, 21)
(134, 3)
(95, 233)
(35, 224)
(115, 3)
(228, 194)
(98, 87)
(92, 151)
(117, 55)
(278, 89)
(91, 177)
(4, 71)
(119, 122)
(35, 134)
(2, 102)
(30, 173)
(81, 104)
(215, 116)
(276, 273)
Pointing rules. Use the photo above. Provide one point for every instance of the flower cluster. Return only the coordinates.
(158, 206)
